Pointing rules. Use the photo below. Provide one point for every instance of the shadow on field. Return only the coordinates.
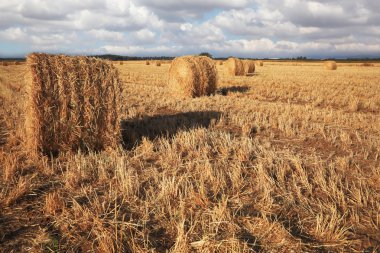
(225, 90)
(168, 125)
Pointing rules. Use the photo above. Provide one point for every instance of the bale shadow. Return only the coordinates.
(225, 90)
(152, 127)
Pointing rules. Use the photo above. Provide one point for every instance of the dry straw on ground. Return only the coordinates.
(73, 103)
(234, 67)
(367, 64)
(193, 76)
(249, 67)
(331, 65)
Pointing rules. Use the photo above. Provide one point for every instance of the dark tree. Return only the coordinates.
(205, 54)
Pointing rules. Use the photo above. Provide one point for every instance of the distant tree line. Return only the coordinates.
(113, 57)
(131, 58)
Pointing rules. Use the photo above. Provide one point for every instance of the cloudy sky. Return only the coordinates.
(247, 28)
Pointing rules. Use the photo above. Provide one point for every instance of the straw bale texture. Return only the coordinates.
(234, 67)
(331, 65)
(193, 76)
(73, 103)
(249, 66)
(260, 63)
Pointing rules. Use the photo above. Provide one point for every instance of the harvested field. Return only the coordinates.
(285, 160)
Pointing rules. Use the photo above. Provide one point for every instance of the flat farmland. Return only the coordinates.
(284, 160)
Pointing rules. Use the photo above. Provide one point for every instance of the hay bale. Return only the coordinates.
(259, 63)
(234, 67)
(147, 63)
(158, 63)
(193, 76)
(4, 63)
(220, 63)
(249, 67)
(17, 63)
(73, 103)
(331, 65)
(121, 63)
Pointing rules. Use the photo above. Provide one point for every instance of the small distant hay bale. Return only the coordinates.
(73, 103)
(17, 63)
(259, 63)
(249, 67)
(193, 76)
(234, 67)
(220, 63)
(121, 63)
(147, 63)
(331, 65)
(158, 63)
(4, 63)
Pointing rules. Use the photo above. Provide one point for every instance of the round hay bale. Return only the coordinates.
(158, 63)
(220, 63)
(5, 63)
(73, 103)
(331, 65)
(192, 76)
(234, 67)
(249, 67)
(147, 63)
(121, 62)
(259, 63)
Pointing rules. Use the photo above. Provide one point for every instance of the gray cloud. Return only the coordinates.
(263, 28)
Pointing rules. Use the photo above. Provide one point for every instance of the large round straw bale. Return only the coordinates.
(73, 103)
(193, 76)
(234, 67)
(249, 67)
(331, 65)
